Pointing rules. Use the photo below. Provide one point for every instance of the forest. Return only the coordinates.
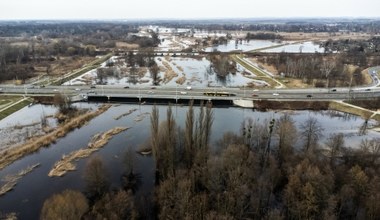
(270, 169)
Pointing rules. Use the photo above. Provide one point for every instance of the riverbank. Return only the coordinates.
(265, 105)
(16, 152)
(66, 164)
(12, 105)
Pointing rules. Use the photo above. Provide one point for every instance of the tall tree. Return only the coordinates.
(311, 131)
(96, 179)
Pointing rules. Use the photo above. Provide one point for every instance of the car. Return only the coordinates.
(77, 89)
(152, 87)
(92, 87)
(276, 94)
(150, 92)
(368, 89)
(188, 88)
(126, 87)
(55, 90)
(254, 95)
(309, 96)
(183, 93)
(255, 90)
(333, 90)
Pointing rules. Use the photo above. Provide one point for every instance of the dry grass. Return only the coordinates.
(66, 164)
(181, 80)
(141, 117)
(120, 44)
(11, 180)
(11, 155)
(125, 114)
(356, 110)
(169, 72)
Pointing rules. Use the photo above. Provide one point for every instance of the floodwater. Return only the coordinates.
(242, 45)
(305, 47)
(29, 194)
(197, 72)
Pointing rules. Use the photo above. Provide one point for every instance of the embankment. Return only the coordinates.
(66, 164)
(16, 152)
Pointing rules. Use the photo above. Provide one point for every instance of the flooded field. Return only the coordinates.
(244, 45)
(173, 71)
(306, 47)
(28, 195)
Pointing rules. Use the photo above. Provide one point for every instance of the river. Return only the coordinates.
(29, 194)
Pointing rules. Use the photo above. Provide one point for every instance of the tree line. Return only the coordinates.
(258, 172)
(319, 69)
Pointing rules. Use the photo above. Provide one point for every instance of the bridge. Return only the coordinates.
(181, 95)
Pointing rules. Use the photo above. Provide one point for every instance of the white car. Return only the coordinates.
(276, 94)
(77, 89)
(183, 93)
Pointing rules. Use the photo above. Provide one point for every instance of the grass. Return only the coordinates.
(11, 180)
(259, 74)
(66, 164)
(33, 145)
(93, 65)
(356, 110)
(8, 111)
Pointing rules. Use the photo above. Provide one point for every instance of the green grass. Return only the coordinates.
(14, 109)
(362, 112)
(258, 73)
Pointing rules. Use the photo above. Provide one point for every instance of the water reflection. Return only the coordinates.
(138, 172)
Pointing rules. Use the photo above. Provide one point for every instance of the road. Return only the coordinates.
(198, 93)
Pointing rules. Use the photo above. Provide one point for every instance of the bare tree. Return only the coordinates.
(286, 132)
(67, 205)
(335, 143)
(96, 179)
(311, 131)
(326, 69)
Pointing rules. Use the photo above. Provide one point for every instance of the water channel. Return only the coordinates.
(29, 194)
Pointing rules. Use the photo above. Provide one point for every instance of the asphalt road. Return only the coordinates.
(198, 93)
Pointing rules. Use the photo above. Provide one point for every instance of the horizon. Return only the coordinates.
(194, 10)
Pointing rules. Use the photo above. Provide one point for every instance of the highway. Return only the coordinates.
(181, 92)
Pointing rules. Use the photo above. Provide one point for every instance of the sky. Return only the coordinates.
(191, 9)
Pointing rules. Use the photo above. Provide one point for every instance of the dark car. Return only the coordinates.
(254, 95)
(309, 96)
(92, 86)
(333, 90)
(126, 87)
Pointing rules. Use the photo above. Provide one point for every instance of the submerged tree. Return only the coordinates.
(95, 178)
(67, 205)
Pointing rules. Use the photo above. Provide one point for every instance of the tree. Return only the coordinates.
(326, 68)
(286, 132)
(114, 206)
(96, 179)
(154, 70)
(67, 205)
(62, 102)
(335, 143)
(311, 131)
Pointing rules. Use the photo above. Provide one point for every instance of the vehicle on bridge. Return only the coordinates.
(218, 94)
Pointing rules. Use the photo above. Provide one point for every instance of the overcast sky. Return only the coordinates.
(193, 9)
